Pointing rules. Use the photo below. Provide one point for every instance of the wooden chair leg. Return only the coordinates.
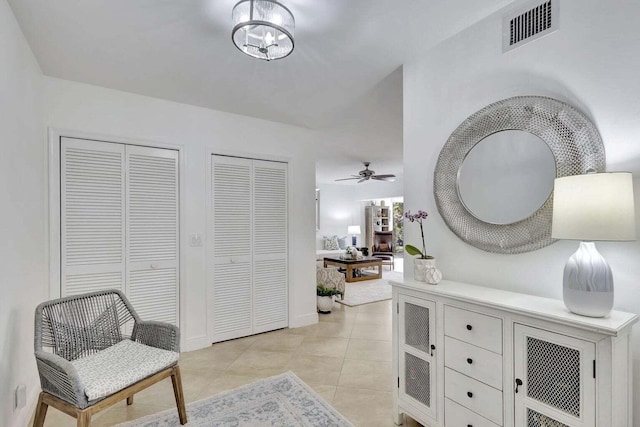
(84, 419)
(176, 379)
(41, 412)
(130, 400)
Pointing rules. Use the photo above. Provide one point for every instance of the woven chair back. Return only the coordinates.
(79, 325)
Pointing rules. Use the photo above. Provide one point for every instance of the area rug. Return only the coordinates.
(368, 291)
(283, 400)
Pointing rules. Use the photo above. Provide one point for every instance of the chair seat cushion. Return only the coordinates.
(117, 367)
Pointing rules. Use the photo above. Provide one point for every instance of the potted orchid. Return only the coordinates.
(424, 266)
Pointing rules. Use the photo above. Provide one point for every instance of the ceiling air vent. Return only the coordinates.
(528, 22)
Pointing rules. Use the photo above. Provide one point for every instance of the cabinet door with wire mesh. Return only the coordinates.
(554, 381)
(417, 355)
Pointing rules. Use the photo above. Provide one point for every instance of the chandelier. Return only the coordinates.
(263, 29)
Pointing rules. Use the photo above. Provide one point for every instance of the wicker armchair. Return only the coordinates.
(87, 363)
(330, 277)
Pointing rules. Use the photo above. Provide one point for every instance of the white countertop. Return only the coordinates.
(534, 306)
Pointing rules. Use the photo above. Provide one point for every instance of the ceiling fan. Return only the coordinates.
(367, 174)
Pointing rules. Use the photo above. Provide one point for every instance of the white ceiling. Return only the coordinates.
(181, 50)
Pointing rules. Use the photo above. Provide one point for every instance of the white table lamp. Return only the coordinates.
(594, 206)
(353, 229)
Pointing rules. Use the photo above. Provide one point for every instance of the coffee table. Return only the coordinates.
(350, 265)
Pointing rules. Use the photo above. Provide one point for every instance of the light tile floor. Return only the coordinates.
(346, 358)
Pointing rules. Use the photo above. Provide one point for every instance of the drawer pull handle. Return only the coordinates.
(469, 361)
(469, 327)
(433, 347)
(469, 394)
(518, 383)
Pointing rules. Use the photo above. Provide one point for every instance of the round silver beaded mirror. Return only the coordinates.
(570, 136)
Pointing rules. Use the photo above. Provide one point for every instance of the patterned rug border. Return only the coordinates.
(293, 377)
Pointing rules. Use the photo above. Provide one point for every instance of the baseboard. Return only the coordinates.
(304, 320)
(195, 343)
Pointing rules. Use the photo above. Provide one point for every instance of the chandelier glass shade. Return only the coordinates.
(263, 29)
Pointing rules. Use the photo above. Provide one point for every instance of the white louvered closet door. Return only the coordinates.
(270, 272)
(152, 232)
(230, 288)
(92, 208)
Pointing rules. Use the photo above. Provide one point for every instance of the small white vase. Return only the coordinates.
(325, 304)
(424, 270)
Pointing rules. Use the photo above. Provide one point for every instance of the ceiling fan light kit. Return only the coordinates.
(367, 174)
(263, 29)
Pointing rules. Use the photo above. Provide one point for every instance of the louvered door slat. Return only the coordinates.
(270, 295)
(152, 204)
(249, 283)
(92, 216)
(82, 283)
(153, 294)
(270, 208)
(230, 301)
(153, 232)
(231, 198)
(270, 241)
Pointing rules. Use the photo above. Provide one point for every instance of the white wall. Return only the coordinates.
(22, 215)
(338, 210)
(82, 107)
(342, 205)
(591, 63)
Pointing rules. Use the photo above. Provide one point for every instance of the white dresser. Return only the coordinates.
(471, 356)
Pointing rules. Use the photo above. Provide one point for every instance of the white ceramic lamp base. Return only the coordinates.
(588, 282)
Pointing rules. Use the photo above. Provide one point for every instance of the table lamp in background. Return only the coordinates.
(353, 229)
(594, 206)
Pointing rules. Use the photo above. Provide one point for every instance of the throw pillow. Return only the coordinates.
(342, 242)
(383, 247)
(331, 243)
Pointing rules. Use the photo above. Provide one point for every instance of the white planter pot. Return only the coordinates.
(424, 270)
(325, 304)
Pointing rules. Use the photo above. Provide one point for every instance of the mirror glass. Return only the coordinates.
(506, 177)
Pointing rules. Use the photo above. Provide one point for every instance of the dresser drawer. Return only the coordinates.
(458, 416)
(475, 362)
(473, 395)
(474, 328)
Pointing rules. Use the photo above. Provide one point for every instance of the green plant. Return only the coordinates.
(323, 291)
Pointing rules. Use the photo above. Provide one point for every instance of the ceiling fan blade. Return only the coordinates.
(362, 180)
(388, 178)
(346, 179)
